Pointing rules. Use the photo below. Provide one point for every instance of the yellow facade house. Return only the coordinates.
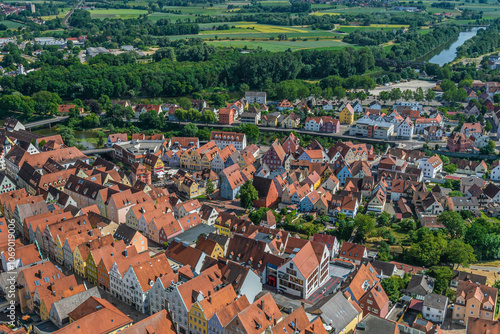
(347, 115)
(203, 310)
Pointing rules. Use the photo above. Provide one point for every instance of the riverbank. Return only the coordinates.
(448, 53)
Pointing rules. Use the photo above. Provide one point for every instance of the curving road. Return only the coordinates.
(66, 18)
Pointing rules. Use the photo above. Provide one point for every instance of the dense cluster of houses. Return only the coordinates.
(98, 221)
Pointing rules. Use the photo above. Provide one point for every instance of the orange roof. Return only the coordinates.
(158, 323)
(263, 312)
(148, 271)
(217, 301)
(305, 260)
(314, 154)
(201, 284)
(95, 315)
(226, 314)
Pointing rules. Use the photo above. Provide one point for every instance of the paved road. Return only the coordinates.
(411, 144)
(494, 269)
(66, 18)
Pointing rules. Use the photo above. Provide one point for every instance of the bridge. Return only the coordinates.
(98, 151)
(45, 122)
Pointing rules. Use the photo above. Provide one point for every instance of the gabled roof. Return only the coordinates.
(95, 315)
(158, 323)
(259, 315)
(352, 251)
(147, 272)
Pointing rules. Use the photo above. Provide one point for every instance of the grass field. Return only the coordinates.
(282, 45)
(116, 13)
(357, 10)
(62, 14)
(372, 27)
(12, 24)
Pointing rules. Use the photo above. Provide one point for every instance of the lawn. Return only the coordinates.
(62, 14)
(116, 13)
(282, 45)
(12, 24)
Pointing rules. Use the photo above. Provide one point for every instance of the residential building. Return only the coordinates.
(435, 307)
(474, 301)
(291, 121)
(275, 156)
(256, 97)
(347, 115)
(431, 166)
(420, 286)
(459, 142)
(227, 115)
(223, 139)
(405, 129)
(366, 127)
(336, 311)
(352, 252)
(482, 326)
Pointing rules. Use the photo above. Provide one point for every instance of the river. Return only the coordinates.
(449, 52)
(88, 139)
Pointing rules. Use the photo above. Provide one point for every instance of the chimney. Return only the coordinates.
(125, 252)
(262, 305)
(91, 233)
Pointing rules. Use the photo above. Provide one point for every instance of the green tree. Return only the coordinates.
(104, 102)
(209, 188)
(339, 92)
(407, 94)
(393, 286)
(418, 94)
(383, 218)
(443, 276)
(450, 168)
(430, 95)
(395, 94)
(444, 159)
(248, 194)
(256, 215)
(250, 130)
(489, 148)
(184, 103)
(429, 249)
(101, 138)
(454, 223)
(365, 225)
(67, 135)
(459, 253)
(190, 130)
(46, 103)
(164, 53)
(362, 96)
(208, 117)
(488, 126)
(244, 88)
(385, 96)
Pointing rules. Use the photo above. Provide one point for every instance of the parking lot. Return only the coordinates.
(412, 85)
